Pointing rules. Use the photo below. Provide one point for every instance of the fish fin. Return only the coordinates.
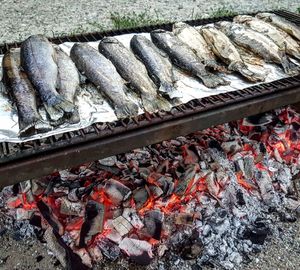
(288, 66)
(212, 81)
(34, 127)
(246, 72)
(169, 90)
(153, 104)
(126, 110)
(215, 66)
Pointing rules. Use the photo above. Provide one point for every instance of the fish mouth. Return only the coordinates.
(158, 31)
(110, 40)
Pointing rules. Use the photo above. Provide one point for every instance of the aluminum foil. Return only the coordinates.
(94, 108)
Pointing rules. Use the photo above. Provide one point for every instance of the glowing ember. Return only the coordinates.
(217, 183)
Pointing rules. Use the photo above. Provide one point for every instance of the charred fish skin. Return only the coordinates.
(280, 22)
(38, 61)
(183, 56)
(226, 51)
(157, 63)
(282, 39)
(134, 73)
(257, 43)
(67, 80)
(102, 73)
(24, 95)
(190, 36)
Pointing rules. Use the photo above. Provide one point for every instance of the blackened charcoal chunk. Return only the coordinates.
(215, 144)
(140, 197)
(240, 197)
(154, 223)
(257, 232)
(109, 249)
(286, 217)
(93, 222)
(191, 247)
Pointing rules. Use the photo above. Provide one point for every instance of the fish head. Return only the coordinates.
(209, 33)
(224, 26)
(267, 17)
(111, 40)
(242, 18)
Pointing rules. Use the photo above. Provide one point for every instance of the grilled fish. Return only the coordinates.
(279, 37)
(38, 61)
(23, 94)
(287, 26)
(185, 58)
(68, 80)
(257, 43)
(157, 63)
(226, 51)
(102, 73)
(190, 36)
(134, 72)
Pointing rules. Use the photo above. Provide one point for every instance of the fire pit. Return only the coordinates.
(208, 199)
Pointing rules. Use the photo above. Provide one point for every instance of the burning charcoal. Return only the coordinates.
(66, 175)
(114, 236)
(212, 185)
(38, 187)
(93, 222)
(153, 221)
(187, 180)
(110, 161)
(122, 225)
(264, 183)
(55, 247)
(139, 251)
(131, 215)
(116, 191)
(186, 218)
(140, 197)
(95, 253)
(50, 217)
(71, 208)
(231, 147)
(72, 196)
(25, 186)
(166, 184)
(155, 191)
(109, 249)
(190, 155)
(249, 167)
(22, 214)
(222, 178)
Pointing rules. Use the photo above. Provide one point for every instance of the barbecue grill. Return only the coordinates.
(21, 161)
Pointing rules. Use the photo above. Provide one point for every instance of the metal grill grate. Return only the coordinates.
(103, 139)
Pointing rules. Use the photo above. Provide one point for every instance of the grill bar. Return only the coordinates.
(40, 157)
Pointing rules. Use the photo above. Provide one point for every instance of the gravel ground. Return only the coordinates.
(21, 18)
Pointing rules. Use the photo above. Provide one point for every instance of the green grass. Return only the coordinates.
(223, 12)
(298, 9)
(133, 19)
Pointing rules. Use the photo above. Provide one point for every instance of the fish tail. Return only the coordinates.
(126, 110)
(59, 108)
(247, 73)
(215, 66)
(153, 104)
(169, 90)
(36, 126)
(74, 118)
(212, 81)
(288, 66)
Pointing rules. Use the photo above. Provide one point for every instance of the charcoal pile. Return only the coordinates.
(206, 197)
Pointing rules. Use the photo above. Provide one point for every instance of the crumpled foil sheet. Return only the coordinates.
(94, 108)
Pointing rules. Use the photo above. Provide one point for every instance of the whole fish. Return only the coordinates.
(38, 61)
(23, 94)
(257, 43)
(134, 72)
(68, 80)
(226, 51)
(279, 37)
(287, 26)
(185, 58)
(102, 73)
(190, 36)
(157, 63)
